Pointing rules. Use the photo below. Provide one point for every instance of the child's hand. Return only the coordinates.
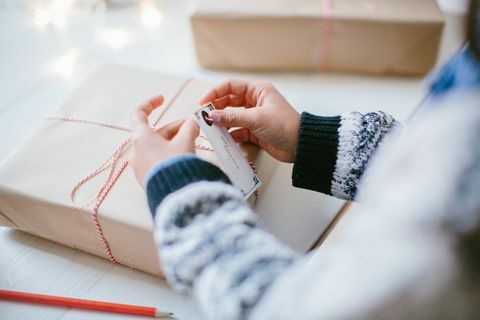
(150, 147)
(268, 120)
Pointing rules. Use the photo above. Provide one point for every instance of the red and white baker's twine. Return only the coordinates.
(114, 173)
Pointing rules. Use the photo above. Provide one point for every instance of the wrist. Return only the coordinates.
(176, 173)
(292, 136)
(164, 163)
(295, 135)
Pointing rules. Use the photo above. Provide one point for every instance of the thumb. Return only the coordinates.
(188, 131)
(234, 118)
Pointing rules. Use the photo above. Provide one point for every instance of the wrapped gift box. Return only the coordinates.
(35, 180)
(361, 36)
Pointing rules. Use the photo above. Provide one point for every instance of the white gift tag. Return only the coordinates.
(229, 154)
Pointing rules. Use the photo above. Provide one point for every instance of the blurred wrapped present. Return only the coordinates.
(361, 36)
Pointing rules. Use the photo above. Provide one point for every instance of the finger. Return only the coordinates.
(230, 100)
(237, 87)
(148, 106)
(170, 130)
(139, 117)
(188, 131)
(242, 135)
(246, 118)
(248, 90)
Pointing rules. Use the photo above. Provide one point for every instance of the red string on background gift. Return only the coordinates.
(327, 30)
(114, 173)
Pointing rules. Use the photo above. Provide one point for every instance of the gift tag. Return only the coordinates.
(229, 154)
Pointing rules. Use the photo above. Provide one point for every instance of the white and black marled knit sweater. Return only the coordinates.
(420, 194)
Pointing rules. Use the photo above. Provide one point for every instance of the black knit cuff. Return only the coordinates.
(316, 153)
(179, 174)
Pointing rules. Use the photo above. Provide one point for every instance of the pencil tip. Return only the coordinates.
(162, 314)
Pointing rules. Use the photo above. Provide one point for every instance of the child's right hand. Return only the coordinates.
(267, 120)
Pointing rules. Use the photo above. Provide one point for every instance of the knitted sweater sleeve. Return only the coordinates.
(333, 152)
(210, 243)
(212, 246)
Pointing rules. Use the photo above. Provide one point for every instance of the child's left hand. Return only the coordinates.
(152, 146)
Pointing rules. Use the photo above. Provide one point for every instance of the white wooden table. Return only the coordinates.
(40, 65)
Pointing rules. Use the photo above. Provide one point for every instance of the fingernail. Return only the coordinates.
(215, 117)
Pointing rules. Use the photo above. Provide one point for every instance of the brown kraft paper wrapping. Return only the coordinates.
(359, 36)
(36, 178)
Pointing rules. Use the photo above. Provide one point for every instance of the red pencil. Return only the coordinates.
(83, 304)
